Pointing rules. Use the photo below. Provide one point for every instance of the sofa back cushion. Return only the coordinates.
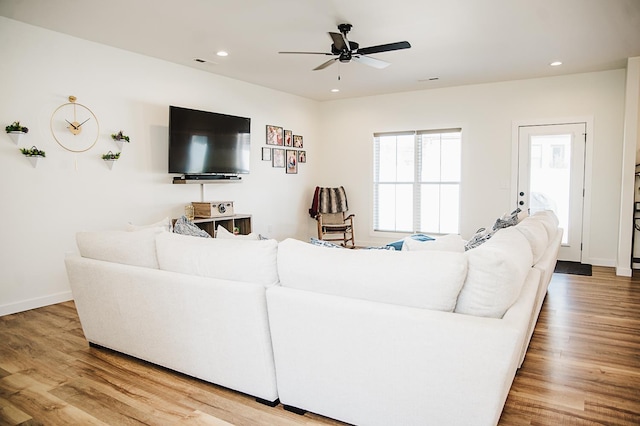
(423, 279)
(497, 271)
(137, 248)
(229, 259)
(537, 236)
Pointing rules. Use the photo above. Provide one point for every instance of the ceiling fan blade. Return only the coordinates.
(326, 64)
(372, 62)
(339, 41)
(384, 48)
(308, 53)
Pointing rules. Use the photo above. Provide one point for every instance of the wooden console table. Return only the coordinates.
(210, 224)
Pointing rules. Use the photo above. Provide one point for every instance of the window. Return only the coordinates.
(416, 181)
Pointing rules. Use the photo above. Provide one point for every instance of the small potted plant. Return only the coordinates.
(120, 138)
(33, 154)
(110, 158)
(15, 131)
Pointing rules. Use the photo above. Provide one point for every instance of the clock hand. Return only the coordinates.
(84, 121)
(71, 124)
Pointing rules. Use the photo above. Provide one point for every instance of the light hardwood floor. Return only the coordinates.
(582, 368)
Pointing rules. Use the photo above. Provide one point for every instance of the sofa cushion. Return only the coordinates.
(548, 220)
(451, 242)
(229, 259)
(137, 248)
(497, 271)
(535, 232)
(164, 223)
(422, 279)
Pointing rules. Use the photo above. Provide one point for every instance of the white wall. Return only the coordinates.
(41, 209)
(485, 113)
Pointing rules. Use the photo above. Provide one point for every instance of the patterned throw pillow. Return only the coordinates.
(507, 220)
(481, 236)
(185, 227)
(321, 243)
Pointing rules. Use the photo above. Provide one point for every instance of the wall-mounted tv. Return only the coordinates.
(208, 143)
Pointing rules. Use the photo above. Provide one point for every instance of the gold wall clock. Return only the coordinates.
(74, 126)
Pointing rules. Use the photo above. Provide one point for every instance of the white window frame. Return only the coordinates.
(416, 183)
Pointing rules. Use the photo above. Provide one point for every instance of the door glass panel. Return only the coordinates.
(550, 177)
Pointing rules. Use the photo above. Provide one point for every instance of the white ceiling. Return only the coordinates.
(458, 41)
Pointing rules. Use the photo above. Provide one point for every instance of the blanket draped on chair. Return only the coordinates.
(328, 200)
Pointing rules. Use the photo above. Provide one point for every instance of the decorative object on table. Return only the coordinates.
(110, 158)
(278, 157)
(302, 156)
(189, 212)
(74, 126)
(120, 138)
(15, 131)
(274, 135)
(288, 138)
(292, 161)
(33, 154)
(297, 141)
(266, 154)
(207, 209)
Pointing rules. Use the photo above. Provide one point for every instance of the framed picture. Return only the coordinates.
(302, 156)
(277, 157)
(288, 138)
(297, 141)
(266, 154)
(274, 135)
(292, 161)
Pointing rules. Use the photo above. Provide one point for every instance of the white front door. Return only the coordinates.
(551, 177)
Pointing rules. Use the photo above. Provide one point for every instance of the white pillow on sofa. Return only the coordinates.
(228, 259)
(451, 242)
(496, 274)
(130, 248)
(429, 280)
(164, 223)
(222, 232)
(536, 233)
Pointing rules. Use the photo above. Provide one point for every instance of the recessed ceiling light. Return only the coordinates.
(555, 63)
(335, 90)
(222, 53)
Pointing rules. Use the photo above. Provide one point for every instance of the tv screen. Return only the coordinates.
(202, 142)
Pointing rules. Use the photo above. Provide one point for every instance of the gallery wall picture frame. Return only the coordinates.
(277, 157)
(288, 138)
(297, 141)
(266, 154)
(302, 156)
(274, 135)
(292, 161)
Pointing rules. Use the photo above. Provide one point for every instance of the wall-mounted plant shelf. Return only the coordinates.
(15, 131)
(120, 139)
(110, 158)
(16, 136)
(33, 155)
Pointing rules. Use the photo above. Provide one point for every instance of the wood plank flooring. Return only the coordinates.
(582, 368)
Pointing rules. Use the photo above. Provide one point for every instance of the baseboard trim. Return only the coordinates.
(38, 302)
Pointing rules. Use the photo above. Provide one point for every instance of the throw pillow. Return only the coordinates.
(129, 248)
(222, 232)
(508, 219)
(322, 243)
(418, 237)
(184, 226)
(451, 242)
(481, 236)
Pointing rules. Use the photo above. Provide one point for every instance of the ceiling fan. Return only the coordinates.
(345, 50)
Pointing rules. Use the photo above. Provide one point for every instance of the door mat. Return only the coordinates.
(573, 268)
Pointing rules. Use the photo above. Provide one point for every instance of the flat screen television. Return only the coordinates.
(208, 144)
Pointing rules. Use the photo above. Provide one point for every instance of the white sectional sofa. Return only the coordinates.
(433, 335)
(189, 304)
(370, 339)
